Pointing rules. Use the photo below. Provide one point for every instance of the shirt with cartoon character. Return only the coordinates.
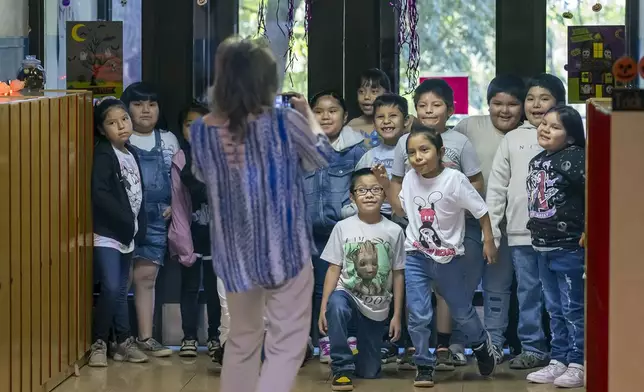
(556, 186)
(367, 254)
(436, 209)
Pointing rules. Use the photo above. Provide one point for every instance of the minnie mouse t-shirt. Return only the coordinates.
(436, 209)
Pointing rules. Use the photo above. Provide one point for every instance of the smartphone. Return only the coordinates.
(283, 100)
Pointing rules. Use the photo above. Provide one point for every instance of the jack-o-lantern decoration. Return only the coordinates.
(625, 69)
(597, 7)
(640, 66)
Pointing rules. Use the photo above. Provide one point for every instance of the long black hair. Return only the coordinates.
(572, 124)
(143, 91)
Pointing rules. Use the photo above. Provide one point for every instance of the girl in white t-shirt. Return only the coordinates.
(434, 199)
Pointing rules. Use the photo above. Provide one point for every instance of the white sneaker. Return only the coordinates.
(572, 378)
(353, 344)
(548, 374)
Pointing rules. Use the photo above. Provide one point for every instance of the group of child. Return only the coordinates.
(145, 200)
(393, 217)
(407, 227)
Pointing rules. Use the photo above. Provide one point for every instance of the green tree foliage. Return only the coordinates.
(457, 37)
(296, 78)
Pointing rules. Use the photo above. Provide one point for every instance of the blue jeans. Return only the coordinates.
(561, 274)
(497, 290)
(529, 292)
(473, 274)
(340, 311)
(420, 272)
(112, 269)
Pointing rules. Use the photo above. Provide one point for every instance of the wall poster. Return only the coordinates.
(95, 57)
(592, 51)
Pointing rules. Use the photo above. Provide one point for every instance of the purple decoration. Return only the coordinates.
(408, 36)
(66, 3)
(261, 18)
(307, 17)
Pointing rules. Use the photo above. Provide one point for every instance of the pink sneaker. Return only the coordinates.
(353, 344)
(325, 350)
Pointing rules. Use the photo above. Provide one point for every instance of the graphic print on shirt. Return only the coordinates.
(431, 239)
(541, 190)
(132, 184)
(368, 267)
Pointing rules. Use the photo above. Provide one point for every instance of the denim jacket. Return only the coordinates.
(327, 190)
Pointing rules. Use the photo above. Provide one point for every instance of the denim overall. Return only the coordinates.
(157, 194)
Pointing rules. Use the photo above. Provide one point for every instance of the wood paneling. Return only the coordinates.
(45, 239)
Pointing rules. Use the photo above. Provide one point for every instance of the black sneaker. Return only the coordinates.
(498, 354)
(188, 348)
(485, 357)
(389, 354)
(424, 377)
(342, 382)
(444, 361)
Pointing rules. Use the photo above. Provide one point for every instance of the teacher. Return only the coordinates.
(251, 155)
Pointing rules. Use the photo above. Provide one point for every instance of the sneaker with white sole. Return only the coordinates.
(572, 378)
(548, 374)
(188, 348)
(406, 360)
(485, 359)
(459, 359)
(153, 348)
(98, 355)
(353, 344)
(128, 351)
(325, 350)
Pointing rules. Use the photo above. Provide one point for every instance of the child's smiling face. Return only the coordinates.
(330, 115)
(433, 112)
(390, 123)
(366, 95)
(552, 135)
(505, 112)
(537, 102)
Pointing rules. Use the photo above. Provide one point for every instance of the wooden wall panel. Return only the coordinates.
(46, 285)
(25, 244)
(63, 201)
(5, 253)
(15, 203)
(54, 235)
(45, 250)
(34, 183)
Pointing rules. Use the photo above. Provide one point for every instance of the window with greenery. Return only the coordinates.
(613, 12)
(295, 64)
(457, 38)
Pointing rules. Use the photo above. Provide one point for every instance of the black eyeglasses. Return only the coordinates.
(376, 191)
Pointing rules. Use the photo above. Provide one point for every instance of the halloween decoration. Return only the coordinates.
(407, 11)
(201, 3)
(11, 89)
(597, 7)
(625, 69)
(32, 73)
(123, 3)
(640, 66)
(567, 15)
(66, 3)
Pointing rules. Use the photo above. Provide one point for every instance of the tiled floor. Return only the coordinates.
(177, 375)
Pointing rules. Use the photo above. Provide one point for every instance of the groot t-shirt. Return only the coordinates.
(367, 254)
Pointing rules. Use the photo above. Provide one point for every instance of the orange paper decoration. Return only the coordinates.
(640, 66)
(12, 88)
(624, 69)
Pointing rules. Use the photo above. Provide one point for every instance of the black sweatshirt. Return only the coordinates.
(113, 217)
(557, 198)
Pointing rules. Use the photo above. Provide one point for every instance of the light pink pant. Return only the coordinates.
(288, 313)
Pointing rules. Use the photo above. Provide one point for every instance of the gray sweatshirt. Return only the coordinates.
(507, 195)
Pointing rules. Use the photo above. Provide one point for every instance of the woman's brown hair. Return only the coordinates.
(245, 81)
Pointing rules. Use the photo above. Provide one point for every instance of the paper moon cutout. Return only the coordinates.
(75, 36)
(625, 69)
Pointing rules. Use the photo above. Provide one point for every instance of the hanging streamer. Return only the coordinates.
(407, 11)
(289, 55)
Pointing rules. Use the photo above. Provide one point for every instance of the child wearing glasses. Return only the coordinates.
(366, 259)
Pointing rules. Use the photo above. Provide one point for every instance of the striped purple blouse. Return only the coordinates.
(259, 229)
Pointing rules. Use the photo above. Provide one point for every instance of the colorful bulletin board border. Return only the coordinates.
(592, 50)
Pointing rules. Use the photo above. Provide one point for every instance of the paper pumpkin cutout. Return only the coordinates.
(640, 66)
(597, 7)
(625, 69)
